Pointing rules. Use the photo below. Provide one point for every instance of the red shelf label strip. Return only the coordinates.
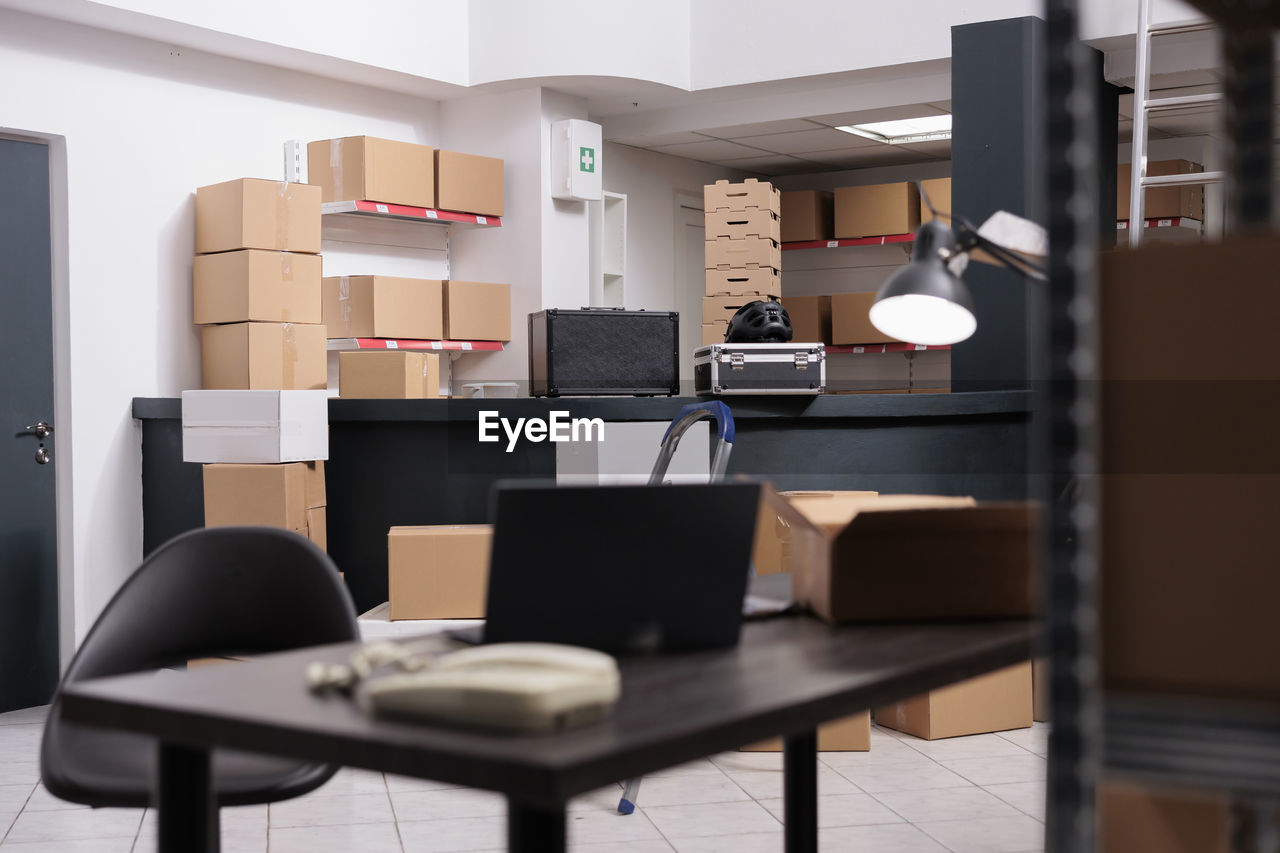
(859, 241)
(466, 346)
(425, 213)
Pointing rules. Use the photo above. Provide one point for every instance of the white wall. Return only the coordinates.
(566, 266)
(143, 127)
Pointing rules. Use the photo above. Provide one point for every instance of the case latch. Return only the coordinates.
(737, 360)
(802, 361)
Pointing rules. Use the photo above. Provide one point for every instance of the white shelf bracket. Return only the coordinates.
(295, 161)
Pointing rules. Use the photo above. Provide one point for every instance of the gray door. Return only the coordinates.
(28, 528)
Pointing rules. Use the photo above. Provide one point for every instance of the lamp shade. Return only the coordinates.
(924, 302)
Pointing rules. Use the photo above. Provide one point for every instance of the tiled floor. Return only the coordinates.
(980, 794)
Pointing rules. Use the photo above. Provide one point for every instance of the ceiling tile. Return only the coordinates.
(939, 149)
(661, 139)
(865, 158)
(759, 128)
(819, 139)
(709, 150)
(777, 164)
(882, 114)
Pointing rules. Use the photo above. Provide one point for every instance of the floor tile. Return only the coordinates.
(730, 761)
(21, 742)
(42, 801)
(756, 842)
(656, 846)
(441, 805)
(366, 838)
(903, 776)
(690, 768)
(1035, 739)
(613, 828)
(240, 820)
(889, 751)
(315, 810)
(14, 772)
(946, 804)
(767, 785)
(82, 845)
(885, 838)
(715, 819)
(1027, 797)
(411, 783)
(233, 840)
(843, 810)
(988, 835)
(12, 800)
(996, 771)
(700, 788)
(350, 780)
(601, 799)
(969, 746)
(24, 716)
(460, 835)
(72, 824)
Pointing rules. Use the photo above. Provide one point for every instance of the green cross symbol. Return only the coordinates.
(587, 159)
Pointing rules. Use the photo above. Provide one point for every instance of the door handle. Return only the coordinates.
(40, 429)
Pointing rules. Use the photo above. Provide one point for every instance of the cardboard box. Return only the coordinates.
(469, 183)
(259, 495)
(383, 306)
(1040, 690)
(366, 168)
(731, 282)
(723, 253)
(909, 557)
(810, 318)
(1161, 202)
(253, 284)
(735, 225)
(720, 309)
(439, 572)
(939, 192)
(260, 356)
(318, 527)
(398, 374)
(750, 194)
(1191, 468)
(713, 333)
(255, 214)
(808, 215)
(994, 702)
(1133, 818)
(849, 734)
(851, 323)
(876, 210)
(477, 311)
(255, 426)
(770, 554)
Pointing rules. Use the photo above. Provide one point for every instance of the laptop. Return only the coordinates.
(622, 569)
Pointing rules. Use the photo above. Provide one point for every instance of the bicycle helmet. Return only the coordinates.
(759, 323)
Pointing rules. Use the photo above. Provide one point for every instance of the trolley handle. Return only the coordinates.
(716, 409)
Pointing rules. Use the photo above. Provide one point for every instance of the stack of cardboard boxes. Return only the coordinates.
(366, 168)
(257, 285)
(743, 251)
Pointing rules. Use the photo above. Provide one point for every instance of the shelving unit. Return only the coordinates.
(876, 349)
(452, 347)
(1179, 229)
(884, 240)
(425, 215)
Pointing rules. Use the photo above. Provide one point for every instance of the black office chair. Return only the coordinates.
(210, 592)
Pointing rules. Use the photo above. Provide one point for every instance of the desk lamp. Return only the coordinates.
(925, 302)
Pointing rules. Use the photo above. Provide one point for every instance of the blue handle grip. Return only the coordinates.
(717, 410)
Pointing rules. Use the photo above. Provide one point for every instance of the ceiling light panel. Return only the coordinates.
(901, 131)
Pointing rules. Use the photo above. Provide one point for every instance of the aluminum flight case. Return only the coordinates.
(723, 369)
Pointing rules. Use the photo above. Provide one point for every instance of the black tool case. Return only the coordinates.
(720, 369)
(604, 351)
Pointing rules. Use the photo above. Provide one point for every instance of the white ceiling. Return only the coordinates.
(792, 146)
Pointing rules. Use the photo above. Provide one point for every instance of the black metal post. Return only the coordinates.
(185, 799)
(800, 778)
(1249, 55)
(535, 828)
(1067, 415)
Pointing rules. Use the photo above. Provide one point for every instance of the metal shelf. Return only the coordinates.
(345, 344)
(1229, 746)
(1178, 229)
(426, 215)
(859, 241)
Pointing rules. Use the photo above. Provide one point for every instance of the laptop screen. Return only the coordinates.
(623, 569)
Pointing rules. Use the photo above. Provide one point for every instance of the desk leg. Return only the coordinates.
(184, 797)
(534, 829)
(800, 780)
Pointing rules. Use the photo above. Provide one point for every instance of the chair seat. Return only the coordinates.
(117, 769)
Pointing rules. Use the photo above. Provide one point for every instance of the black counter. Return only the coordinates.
(394, 462)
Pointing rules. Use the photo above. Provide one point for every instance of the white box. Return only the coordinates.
(255, 426)
(577, 160)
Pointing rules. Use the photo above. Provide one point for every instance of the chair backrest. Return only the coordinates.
(219, 591)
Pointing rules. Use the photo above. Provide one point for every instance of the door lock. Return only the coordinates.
(42, 455)
(41, 429)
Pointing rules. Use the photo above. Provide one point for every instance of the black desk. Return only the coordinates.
(787, 676)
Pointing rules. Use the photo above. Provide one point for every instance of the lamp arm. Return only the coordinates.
(967, 239)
